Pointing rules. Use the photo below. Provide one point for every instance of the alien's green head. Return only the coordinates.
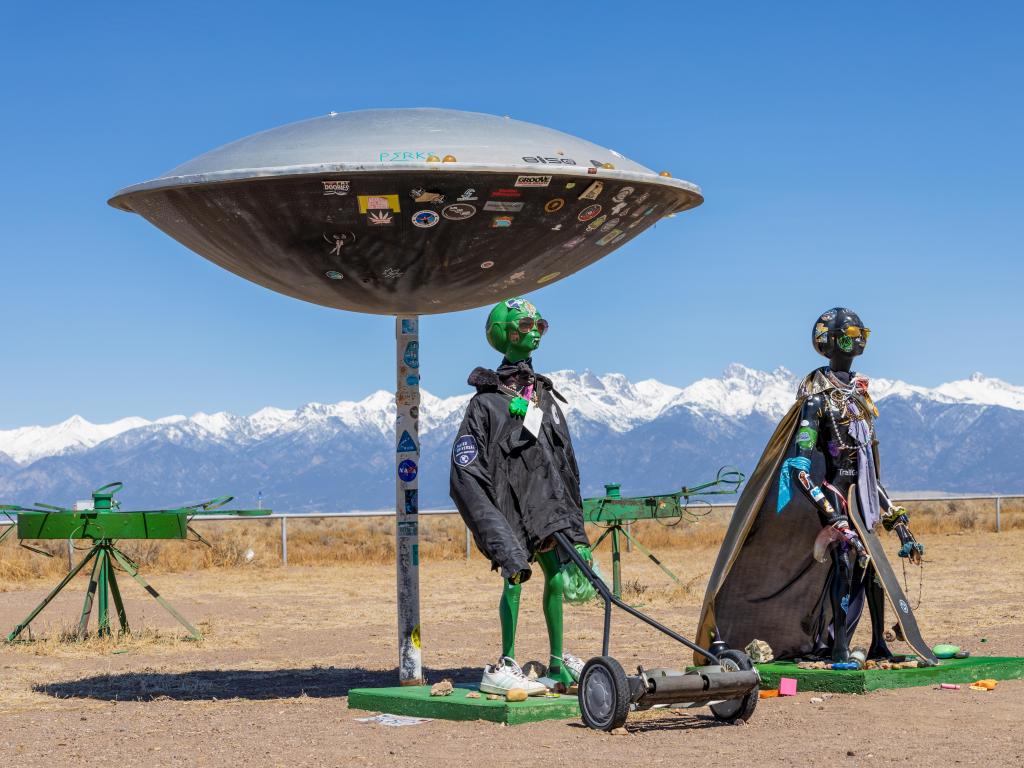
(514, 328)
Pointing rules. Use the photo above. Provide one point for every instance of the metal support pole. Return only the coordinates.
(999, 513)
(407, 459)
(284, 541)
(468, 541)
(71, 554)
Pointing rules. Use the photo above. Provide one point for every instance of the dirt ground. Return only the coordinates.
(267, 686)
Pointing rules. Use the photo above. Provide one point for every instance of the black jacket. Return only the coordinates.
(514, 490)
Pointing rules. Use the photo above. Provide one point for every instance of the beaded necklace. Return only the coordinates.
(840, 398)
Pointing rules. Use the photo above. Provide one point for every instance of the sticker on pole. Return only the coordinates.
(412, 354)
(406, 444)
(407, 471)
(412, 502)
(408, 326)
(464, 452)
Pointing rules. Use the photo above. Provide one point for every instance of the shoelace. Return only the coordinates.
(514, 669)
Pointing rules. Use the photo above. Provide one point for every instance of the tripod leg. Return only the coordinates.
(103, 611)
(616, 563)
(600, 539)
(90, 592)
(134, 573)
(653, 558)
(115, 592)
(46, 600)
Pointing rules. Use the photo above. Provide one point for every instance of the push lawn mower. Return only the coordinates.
(729, 684)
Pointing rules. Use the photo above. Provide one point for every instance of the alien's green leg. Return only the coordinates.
(553, 588)
(508, 610)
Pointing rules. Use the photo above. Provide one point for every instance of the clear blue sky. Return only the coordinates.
(867, 155)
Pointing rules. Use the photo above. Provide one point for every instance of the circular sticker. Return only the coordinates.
(425, 219)
(553, 205)
(596, 223)
(486, 265)
(589, 212)
(609, 225)
(334, 275)
(459, 211)
(407, 471)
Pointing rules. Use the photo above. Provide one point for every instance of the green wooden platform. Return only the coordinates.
(863, 680)
(416, 701)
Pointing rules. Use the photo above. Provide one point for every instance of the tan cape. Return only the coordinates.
(766, 583)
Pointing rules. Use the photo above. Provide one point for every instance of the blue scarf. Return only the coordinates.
(785, 492)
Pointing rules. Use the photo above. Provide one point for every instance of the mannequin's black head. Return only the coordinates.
(839, 335)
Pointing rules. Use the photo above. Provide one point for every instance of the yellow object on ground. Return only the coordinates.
(984, 685)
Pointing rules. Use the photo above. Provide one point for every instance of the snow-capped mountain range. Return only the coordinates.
(648, 435)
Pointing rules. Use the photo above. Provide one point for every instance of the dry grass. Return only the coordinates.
(442, 537)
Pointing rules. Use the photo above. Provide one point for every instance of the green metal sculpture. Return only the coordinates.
(614, 513)
(104, 525)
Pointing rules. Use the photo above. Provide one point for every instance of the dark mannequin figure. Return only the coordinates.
(838, 421)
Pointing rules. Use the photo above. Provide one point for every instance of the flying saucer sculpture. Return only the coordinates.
(407, 212)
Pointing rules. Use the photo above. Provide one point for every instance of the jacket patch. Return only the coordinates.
(465, 451)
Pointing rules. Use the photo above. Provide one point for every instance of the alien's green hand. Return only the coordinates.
(585, 552)
(518, 406)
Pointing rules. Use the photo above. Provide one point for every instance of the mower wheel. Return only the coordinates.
(736, 709)
(603, 694)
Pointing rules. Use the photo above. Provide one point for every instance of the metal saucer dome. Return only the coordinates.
(407, 211)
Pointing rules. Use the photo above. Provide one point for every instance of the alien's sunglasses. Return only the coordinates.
(525, 325)
(855, 332)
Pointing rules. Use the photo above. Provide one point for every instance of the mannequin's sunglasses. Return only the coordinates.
(855, 332)
(525, 325)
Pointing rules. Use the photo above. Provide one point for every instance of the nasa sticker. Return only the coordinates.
(459, 211)
(407, 471)
(464, 452)
(904, 607)
(425, 218)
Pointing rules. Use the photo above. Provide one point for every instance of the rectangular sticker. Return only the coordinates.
(593, 191)
(500, 205)
(336, 187)
(533, 181)
(378, 203)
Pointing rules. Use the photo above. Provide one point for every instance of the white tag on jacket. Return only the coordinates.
(534, 418)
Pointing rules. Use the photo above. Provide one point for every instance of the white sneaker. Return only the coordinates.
(574, 664)
(506, 675)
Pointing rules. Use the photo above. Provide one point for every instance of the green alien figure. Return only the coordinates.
(515, 481)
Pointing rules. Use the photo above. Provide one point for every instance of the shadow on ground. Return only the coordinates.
(208, 685)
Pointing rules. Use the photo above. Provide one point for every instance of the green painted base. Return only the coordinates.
(861, 681)
(416, 701)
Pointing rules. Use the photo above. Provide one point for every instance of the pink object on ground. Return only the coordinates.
(787, 686)
(950, 686)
